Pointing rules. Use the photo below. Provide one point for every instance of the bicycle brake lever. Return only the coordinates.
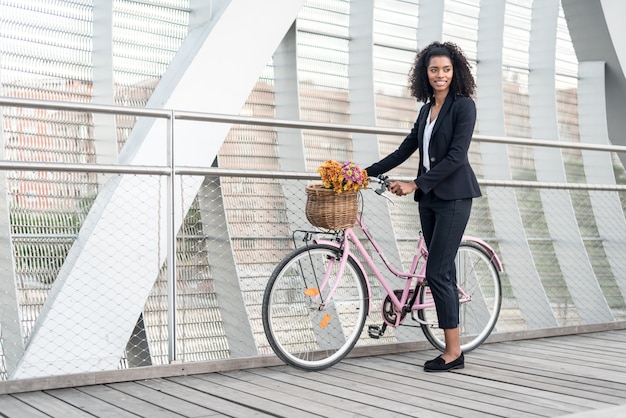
(384, 183)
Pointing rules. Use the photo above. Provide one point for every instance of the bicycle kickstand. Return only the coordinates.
(376, 331)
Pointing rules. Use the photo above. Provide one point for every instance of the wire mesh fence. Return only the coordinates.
(109, 267)
(90, 289)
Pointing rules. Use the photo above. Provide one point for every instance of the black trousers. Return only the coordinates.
(443, 225)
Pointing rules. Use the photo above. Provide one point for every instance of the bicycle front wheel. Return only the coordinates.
(305, 326)
(478, 277)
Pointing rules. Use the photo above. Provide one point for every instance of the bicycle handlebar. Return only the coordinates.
(383, 181)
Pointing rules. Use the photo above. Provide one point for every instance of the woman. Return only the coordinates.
(445, 183)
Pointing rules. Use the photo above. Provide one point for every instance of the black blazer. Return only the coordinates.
(450, 176)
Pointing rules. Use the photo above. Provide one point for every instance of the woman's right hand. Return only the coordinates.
(401, 188)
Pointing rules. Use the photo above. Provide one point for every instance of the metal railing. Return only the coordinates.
(171, 170)
(172, 115)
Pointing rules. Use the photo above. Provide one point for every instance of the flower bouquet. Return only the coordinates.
(342, 177)
(333, 204)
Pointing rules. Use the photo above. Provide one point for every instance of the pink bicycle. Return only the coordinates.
(318, 298)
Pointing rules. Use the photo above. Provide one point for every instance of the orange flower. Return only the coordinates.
(342, 177)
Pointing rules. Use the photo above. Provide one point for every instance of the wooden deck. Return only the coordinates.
(580, 375)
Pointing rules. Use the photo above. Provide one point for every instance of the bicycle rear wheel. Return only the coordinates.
(304, 327)
(479, 278)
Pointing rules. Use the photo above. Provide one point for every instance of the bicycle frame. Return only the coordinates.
(350, 238)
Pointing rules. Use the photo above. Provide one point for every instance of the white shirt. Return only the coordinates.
(428, 131)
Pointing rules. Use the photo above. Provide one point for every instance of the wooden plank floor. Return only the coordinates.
(580, 375)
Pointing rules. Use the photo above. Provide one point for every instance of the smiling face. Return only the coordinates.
(440, 74)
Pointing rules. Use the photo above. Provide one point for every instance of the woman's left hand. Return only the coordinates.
(401, 188)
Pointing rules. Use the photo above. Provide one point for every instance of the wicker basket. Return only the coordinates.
(330, 210)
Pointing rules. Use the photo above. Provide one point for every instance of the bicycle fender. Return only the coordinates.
(486, 247)
(367, 281)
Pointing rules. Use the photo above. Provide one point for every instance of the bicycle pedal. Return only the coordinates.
(375, 331)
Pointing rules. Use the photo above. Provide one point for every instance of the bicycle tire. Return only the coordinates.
(300, 333)
(478, 276)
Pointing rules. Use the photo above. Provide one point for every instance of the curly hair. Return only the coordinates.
(463, 83)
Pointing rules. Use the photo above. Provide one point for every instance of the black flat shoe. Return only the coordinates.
(430, 361)
(440, 365)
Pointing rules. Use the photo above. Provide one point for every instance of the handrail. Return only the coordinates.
(83, 167)
(283, 175)
(81, 107)
(282, 123)
(547, 143)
